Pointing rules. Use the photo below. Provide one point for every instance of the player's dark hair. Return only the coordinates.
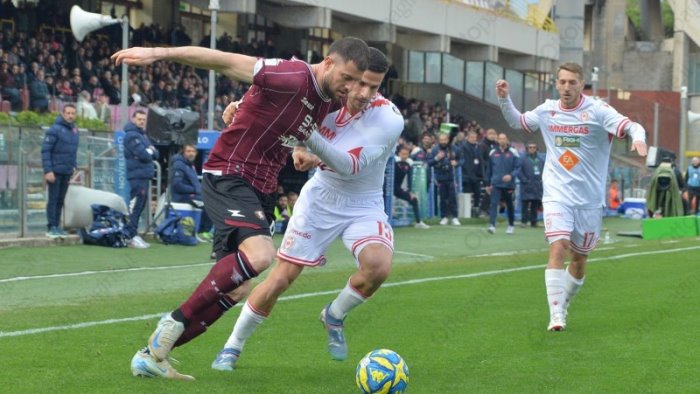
(68, 105)
(351, 49)
(571, 67)
(377, 61)
(138, 112)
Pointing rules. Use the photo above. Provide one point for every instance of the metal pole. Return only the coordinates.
(684, 126)
(213, 6)
(448, 100)
(123, 112)
(656, 124)
(594, 81)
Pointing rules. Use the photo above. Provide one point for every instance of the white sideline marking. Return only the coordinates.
(328, 292)
(158, 268)
(167, 267)
(414, 254)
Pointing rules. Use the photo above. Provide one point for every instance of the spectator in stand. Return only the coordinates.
(64, 90)
(10, 90)
(614, 196)
(414, 123)
(291, 201)
(103, 111)
(139, 154)
(425, 149)
(403, 169)
(444, 160)
(59, 159)
(146, 92)
(472, 166)
(503, 168)
(84, 107)
(186, 186)
(39, 93)
(281, 212)
(159, 92)
(532, 166)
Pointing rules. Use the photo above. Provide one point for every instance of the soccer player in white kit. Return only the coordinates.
(343, 199)
(578, 132)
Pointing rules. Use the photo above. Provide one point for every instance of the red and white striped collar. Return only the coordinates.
(580, 103)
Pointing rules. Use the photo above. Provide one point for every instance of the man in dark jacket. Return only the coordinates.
(503, 168)
(487, 144)
(403, 169)
(58, 156)
(139, 155)
(472, 164)
(530, 177)
(185, 185)
(443, 160)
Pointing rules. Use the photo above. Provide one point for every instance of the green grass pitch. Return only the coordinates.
(467, 311)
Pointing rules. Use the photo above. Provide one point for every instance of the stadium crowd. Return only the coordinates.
(39, 66)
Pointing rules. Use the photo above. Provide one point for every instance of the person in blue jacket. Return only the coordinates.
(503, 168)
(139, 154)
(185, 185)
(58, 156)
(530, 176)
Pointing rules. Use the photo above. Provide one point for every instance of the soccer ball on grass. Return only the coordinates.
(382, 371)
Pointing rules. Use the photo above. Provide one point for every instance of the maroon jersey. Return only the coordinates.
(281, 108)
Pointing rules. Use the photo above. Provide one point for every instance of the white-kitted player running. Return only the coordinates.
(343, 199)
(578, 132)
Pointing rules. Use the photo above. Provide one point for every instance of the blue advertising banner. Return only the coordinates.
(121, 185)
(206, 139)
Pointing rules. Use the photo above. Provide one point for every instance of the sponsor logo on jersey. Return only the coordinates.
(553, 113)
(307, 104)
(287, 244)
(307, 126)
(326, 132)
(569, 160)
(566, 141)
(559, 128)
(584, 116)
(301, 234)
(289, 141)
(236, 213)
(260, 215)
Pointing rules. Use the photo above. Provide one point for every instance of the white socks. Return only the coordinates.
(246, 324)
(346, 301)
(556, 294)
(571, 287)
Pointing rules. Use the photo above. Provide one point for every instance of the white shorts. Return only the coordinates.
(320, 215)
(581, 226)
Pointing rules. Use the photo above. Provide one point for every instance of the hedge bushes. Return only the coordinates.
(30, 118)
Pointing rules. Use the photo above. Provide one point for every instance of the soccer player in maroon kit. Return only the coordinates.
(279, 110)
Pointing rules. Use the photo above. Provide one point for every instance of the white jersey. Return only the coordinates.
(355, 148)
(578, 142)
(347, 200)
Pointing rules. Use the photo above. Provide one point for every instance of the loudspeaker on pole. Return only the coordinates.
(83, 22)
(693, 116)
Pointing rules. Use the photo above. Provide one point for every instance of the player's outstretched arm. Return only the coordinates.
(233, 65)
(510, 113)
